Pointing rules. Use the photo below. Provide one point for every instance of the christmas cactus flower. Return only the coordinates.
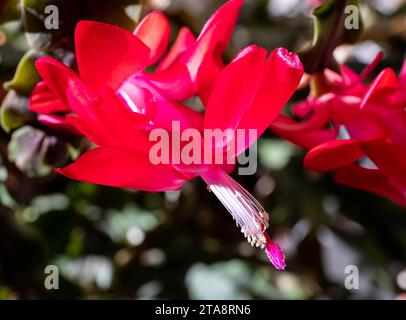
(111, 56)
(355, 129)
(119, 108)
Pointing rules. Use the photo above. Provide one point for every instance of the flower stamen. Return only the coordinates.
(247, 212)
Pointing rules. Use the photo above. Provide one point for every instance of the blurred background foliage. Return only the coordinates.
(111, 243)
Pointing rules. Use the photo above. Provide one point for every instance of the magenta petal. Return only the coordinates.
(389, 157)
(205, 59)
(334, 154)
(235, 89)
(127, 126)
(317, 120)
(61, 80)
(385, 82)
(303, 108)
(69, 88)
(57, 123)
(107, 54)
(285, 128)
(371, 180)
(349, 77)
(154, 30)
(223, 20)
(123, 167)
(281, 76)
(174, 83)
(43, 100)
(275, 255)
(183, 43)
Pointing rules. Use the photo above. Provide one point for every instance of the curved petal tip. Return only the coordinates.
(275, 255)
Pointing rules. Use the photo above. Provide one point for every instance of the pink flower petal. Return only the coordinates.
(282, 74)
(275, 255)
(204, 60)
(43, 100)
(389, 157)
(285, 127)
(69, 88)
(235, 89)
(124, 125)
(124, 168)
(154, 30)
(183, 43)
(332, 155)
(226, 15)
(57, 122)
(385, 82)
(371, 180)
(174, 83)
(107, 55)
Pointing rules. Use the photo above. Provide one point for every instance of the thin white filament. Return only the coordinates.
(248, 213)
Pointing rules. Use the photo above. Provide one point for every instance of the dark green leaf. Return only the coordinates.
(26, 76)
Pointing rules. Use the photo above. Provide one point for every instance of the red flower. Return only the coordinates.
(110, 56)
(117, 106)
(358, 130)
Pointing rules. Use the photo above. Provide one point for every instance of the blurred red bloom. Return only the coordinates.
(355, 129)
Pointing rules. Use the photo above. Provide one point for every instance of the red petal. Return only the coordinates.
(205, 61)
(319, 119)
(303, 108)
(125, 125)
(170, 111)
(385, 82)
(275, 255)
(165, 112)
(124, 168)
(183, 43)
(349, 76)
(285, 128)
(332, 155)
(57, 123)
(281, 77)
(370, 180)
(393, 120)
(174, 83)
(361, 124)
(333, 78)
(208, 71)
(390, 158)
(226, 15)
(154, 30)
(235, 89)
(97, 134)
(43, 100)
(371, 67)
(68, 87)
(107, 54)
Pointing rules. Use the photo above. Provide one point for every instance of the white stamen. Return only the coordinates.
(248, 213)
